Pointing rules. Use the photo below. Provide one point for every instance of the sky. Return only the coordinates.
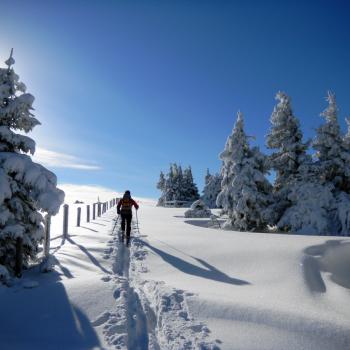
(124, 88)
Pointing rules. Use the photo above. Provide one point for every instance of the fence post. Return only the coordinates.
(78, 216)
(19, 257)
(98, 209)
(88, 213)
(47, 235)
(94, 211)
(65, 220)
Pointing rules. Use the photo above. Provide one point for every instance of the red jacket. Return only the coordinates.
(126, 205)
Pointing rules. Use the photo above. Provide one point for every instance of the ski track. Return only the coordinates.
(147, 315)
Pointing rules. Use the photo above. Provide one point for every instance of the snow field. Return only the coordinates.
(181, 285)
(254, 290)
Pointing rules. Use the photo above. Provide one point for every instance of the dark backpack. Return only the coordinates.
(126, 205)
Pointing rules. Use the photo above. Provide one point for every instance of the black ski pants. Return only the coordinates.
(126, 219)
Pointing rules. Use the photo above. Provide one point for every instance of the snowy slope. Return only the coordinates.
(254, 291)
(181, 286)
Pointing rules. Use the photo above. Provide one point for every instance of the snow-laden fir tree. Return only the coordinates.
(177, 185)
(189, 188)
(246, 193)
(177, 182)
(224, 199)
(347, 135)
(27, 189)
(286, 139)
(306, 199)
(212, 188)
(289, 159)
(333, 164)
(333, 156)
(161, 185)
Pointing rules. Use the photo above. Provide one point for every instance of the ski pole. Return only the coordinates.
(137, 222)
(115, 224)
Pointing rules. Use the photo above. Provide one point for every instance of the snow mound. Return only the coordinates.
(198, 210)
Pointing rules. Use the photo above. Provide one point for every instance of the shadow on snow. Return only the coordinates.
(333, 257)
(208, 272)
(45, 319)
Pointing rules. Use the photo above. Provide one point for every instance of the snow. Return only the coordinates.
(180, 285)
(198, 210)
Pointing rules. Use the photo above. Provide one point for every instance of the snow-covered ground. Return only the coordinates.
(181, 285)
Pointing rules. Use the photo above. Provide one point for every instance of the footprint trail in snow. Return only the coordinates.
(148, 315)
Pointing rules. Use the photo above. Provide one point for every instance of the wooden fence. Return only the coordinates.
(98, 209)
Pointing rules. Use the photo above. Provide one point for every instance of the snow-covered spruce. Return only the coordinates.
(212, 188)
(333, 152)
(26, 188)
(289, 160)
(161, 186)
(178, 185)
(311, 210)
(198, 210)
(246, 193)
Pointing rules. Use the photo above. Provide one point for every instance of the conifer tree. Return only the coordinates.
(347, 135)
(207, 177)
(332, 153)
(161, 185)
(333, 164)
(189, 187)
(245, 193)
(212, 188)
(287, 139)
(289, 160)
(27, 189)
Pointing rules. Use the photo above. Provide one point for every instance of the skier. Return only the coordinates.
(124, 208)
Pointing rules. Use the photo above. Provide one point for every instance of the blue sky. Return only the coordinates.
(123, 88)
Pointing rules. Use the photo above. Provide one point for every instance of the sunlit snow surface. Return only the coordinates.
(180, 285)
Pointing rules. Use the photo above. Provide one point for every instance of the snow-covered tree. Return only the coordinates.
(177, 185)
(224, 199)
(308, 198)
(289, 159)
(333, 156)
(333, 162)
(189, 187)
(161, 185)
(246, 193)
(347, 135)
(27, 189)
(207, 177)
(311, 209)
(287, 139)
(212, 188)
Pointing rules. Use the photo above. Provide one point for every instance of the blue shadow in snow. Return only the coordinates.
(89, 255)
(333, 257)
(43, 318)
(207, 271)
